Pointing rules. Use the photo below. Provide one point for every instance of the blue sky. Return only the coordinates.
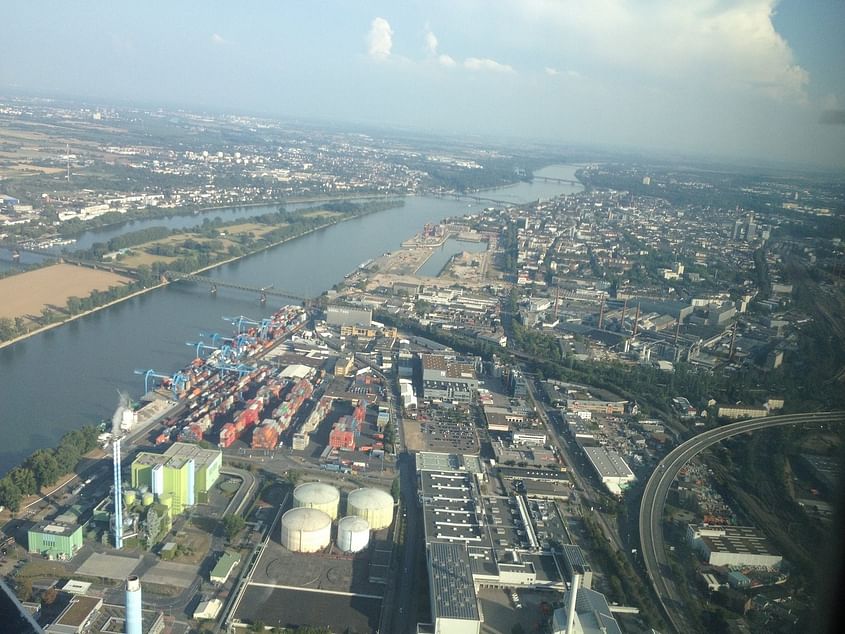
(741, 78)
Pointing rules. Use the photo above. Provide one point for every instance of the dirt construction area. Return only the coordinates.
(27, 293)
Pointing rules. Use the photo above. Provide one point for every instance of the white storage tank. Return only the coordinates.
(317, 495)
(306, 530)
(374, 505)
(353, 534)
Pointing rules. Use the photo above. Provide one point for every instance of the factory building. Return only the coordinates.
(454, 604)
(55, 540)
(348, 316)
(184, 473)
(736, 546)
(448, 378)
(592, 614)
(577, 566)
(612, 470)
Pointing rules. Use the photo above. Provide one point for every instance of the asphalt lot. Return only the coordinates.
(292, 608)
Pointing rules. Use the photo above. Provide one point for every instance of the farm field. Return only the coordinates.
(28, 293)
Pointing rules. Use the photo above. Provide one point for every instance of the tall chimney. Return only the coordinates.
(601, 313)
(134, 618)
(570, 606)
(624, 308)
(636, 320)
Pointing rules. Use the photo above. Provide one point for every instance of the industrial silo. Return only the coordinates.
(374, 505)
(129, 497)
(306, 530)
(147, 498)
(353, 534)
(317, 495)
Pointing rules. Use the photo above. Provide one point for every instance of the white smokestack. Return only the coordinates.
(570, 606)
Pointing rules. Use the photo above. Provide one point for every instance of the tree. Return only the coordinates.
(7, 328)
(10, 494)
(395, 489)
(232, 525)
(24, 479)
(292, 477)
(45, 467)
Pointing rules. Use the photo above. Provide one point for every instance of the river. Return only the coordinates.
(64, 378)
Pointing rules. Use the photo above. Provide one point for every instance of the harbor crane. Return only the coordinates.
(263, 325)
(241, 368)
(178, 381)
(218, 340)
(227, 353)
(199, 346)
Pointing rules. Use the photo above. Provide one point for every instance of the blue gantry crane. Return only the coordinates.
(263, 326)
(240, 368)
(228, 354)
(178, 381)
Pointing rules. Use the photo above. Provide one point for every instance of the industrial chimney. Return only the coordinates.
(134, 618)
(570, 606)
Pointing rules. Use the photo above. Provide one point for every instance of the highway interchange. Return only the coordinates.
(657, 489)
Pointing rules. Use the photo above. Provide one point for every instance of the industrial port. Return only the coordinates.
(266, 424)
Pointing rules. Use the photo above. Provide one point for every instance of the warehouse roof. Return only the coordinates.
(451, 582)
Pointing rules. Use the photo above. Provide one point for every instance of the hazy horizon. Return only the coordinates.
(751, 80)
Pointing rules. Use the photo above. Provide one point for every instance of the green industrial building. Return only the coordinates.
(55, 540)
(180, 477)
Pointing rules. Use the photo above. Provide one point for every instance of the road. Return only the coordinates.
(587, 493)
(657, 488)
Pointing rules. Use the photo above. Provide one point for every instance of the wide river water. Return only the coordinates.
(64, 378)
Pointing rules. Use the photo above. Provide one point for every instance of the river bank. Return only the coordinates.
(190, 210)
(198, 271)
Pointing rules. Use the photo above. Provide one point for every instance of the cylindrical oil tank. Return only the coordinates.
(317, 495)
(353, 534)
(128, 497)
(147, 498)
(306, 530)
(374, 505)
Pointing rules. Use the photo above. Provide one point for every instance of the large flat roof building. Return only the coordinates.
(448, 378)
(453, 599)
(733, 546)
(614, 473)
(348, 316)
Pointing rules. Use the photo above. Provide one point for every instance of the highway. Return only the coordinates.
(657, 489)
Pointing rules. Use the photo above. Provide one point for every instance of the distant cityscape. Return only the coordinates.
(532, 414)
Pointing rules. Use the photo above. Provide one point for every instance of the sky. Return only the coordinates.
(750, 79)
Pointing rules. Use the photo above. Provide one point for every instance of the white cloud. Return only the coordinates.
(380, 39)
(485, 63)
(431, 43)
(551, 72)
(446, 60)
(218, 39)
(730, 45)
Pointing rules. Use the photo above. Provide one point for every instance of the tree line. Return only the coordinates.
(46, 466)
